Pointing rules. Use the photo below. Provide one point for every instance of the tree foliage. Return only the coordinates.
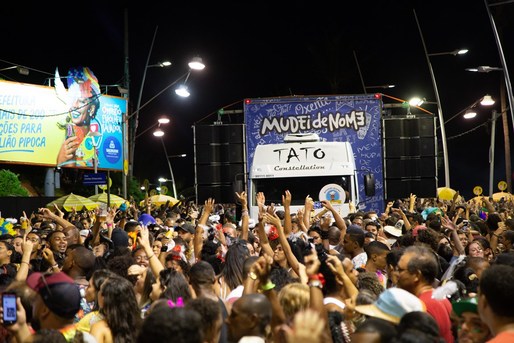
(10, 185)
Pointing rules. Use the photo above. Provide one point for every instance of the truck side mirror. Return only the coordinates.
(369, 184)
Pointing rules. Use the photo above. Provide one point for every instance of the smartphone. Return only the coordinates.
(318, 205)
(10, 308)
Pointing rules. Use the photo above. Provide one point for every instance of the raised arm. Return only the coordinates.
(450, 225)
(23, 271)
(412, 203)
(243, 199)
(202, 225)
(263, 238)
(286, 202)
(339, 221)
(144, 241)
(308, 207)
(47, 214)
(273, 219)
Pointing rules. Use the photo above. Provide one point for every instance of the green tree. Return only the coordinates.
(10, 185)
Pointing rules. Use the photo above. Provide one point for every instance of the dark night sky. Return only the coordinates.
(275, 50)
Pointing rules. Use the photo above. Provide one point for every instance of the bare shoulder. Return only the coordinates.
(101, 332)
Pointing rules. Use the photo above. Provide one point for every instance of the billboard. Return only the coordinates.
(59, 126)
(334, 118)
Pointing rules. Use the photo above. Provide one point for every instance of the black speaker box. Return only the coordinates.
(220, 153)
(216, 134)
(222, 193)
(405, 146)
(218, 172)
(400, 126)
(401, 188)
(410, 167)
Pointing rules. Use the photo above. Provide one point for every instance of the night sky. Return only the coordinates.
(268, 50)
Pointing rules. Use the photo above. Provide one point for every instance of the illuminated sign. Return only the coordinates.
(49, 126)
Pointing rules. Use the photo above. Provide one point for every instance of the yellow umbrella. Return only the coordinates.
(499, 195)
(161, 199)
(445, 193)
(113, 199)
(70, 201)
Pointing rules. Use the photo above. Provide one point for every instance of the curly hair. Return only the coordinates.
(174, 285)
(120, 309)
(370, 281)
(293, 298)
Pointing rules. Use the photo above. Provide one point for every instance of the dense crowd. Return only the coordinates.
(424, 270)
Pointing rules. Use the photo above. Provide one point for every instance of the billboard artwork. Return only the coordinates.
(61, 126)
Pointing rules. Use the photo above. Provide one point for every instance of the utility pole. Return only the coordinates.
(126, 85)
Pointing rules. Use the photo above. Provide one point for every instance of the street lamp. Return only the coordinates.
(196, 63)
(136, 113)
(494, 116)
(386, 86)
(162, 120)
(438, 100)
(506, 136)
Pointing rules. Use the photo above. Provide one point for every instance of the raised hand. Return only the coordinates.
(286, 199)
(243, 199)
(260, 198)
(272, 219)
(209, 205)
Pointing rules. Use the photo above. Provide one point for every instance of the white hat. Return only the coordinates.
(392, 304)
(393, 231)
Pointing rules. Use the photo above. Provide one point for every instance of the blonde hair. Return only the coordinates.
(294, 297)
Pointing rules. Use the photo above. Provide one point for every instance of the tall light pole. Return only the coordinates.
(138, 106)
(506, 75)
(438, 100)
(171, 169)
(505, 121)
(125, 118)
(196, 63)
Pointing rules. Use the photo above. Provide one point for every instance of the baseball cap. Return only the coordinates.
(393, 231)
(465, 305)
(58, 291)
(146, 219)
(119, 238)
(392, 304)
(188, 227)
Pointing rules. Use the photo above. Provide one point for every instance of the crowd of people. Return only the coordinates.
(424, 270)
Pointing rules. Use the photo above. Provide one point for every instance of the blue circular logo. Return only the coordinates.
(112, 149)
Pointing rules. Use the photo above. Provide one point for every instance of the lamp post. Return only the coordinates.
(195, 64)
(138, 107)
(438, 100)
(168, 157)
(506, 135)
(470, 113)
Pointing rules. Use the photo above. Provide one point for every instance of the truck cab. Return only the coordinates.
(305, 166)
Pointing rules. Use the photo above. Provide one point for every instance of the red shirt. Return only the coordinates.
(440, 310)
(503, 337)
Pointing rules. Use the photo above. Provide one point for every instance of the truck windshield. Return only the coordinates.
(299, 187)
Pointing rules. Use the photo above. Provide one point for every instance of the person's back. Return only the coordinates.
(178, 325)
(496, 303)
(203, 279)
(121, 315)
